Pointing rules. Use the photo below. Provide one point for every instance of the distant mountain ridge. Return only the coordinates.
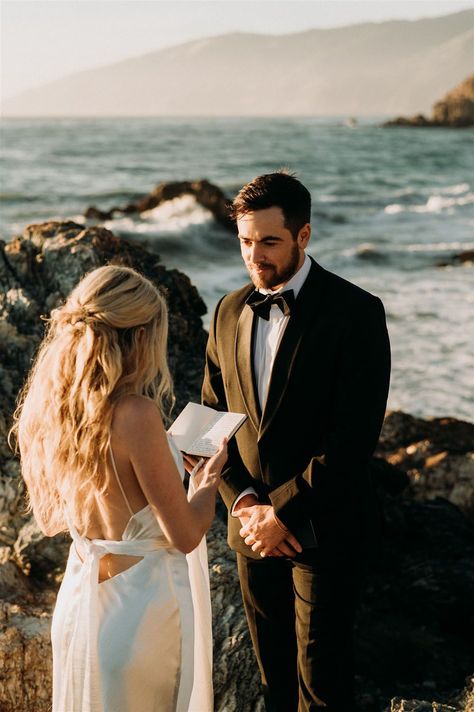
(373, 69)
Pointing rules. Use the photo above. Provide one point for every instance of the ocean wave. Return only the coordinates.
(172, 216)
(455, 189)
(437, 246)
(435, 204)
(412, 256)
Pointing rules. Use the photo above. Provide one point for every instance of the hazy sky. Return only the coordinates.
(41, 41)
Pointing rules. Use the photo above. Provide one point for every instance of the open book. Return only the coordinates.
(198, 429)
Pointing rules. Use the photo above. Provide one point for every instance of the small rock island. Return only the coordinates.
(455, 110)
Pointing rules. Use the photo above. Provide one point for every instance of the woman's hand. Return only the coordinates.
(208, 469)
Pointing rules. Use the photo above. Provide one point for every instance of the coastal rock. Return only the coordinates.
(463, 702)
(457, 107)
(436, 454)
(455, 110)
(236, 677)
(466, 257)
(206, 194)
(415, 623)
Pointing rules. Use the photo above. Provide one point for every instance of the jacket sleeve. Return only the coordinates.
(356, 419)
(235, 477)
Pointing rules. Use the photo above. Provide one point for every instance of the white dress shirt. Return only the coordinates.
(268, 335)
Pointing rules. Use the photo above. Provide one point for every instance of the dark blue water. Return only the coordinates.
(388, 206)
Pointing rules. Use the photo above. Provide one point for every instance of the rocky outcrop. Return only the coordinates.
(457, 107)
(436, 454)
(466, 257)
(206, 194)
(415, 625)
(456, 110)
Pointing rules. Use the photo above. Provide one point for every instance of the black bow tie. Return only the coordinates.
(262, 303)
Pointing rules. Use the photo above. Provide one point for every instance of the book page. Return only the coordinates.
(198, 429)
(190, 423)
(222, 425)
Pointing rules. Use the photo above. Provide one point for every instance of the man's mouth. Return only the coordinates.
(260, 268)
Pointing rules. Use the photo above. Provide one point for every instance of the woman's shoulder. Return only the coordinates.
(135, 413)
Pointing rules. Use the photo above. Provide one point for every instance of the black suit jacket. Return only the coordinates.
(308, 453)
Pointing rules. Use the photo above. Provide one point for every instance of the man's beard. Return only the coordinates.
(275, 277)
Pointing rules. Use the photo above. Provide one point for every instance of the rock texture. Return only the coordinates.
(206, 194)
(466, 257)
(456, 110)
(436, 454)
(416, 622)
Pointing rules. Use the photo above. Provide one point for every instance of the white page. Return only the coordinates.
(223, 425)
(199, 430)
(192, 421)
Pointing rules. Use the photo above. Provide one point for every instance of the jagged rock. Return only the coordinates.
(25, 655)
(456, 110)
(416, 622)
(206, 194)
(457, 107)
(399, 705)
(436, 454)
(461, 258)
(236, 677)
(419, 120)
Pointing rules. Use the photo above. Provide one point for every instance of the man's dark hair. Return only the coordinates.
(281, 190)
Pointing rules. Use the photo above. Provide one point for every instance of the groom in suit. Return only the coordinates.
(305, 354)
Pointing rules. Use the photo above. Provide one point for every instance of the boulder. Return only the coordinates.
(205, 193)
(437, 455)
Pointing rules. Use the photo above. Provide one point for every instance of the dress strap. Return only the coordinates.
(119, 482)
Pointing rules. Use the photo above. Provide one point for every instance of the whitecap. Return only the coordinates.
(394, 208)
(178, 213)
(456, 189)
(170, 216)
(434, 204)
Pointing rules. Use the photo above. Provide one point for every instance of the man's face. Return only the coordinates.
(269, 250)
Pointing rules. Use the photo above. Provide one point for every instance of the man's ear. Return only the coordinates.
(304, 236)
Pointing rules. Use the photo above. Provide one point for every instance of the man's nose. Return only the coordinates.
(256, 252)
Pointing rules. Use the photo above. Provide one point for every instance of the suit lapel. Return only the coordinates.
(243, 360)
(308, 300)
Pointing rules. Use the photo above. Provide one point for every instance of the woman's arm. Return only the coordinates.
(142, 435)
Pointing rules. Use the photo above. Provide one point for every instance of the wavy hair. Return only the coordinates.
(108, 340)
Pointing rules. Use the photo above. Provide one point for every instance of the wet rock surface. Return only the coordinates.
(206, 194)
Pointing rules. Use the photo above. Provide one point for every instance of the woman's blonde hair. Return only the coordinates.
(109, 339)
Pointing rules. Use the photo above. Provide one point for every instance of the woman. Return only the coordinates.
(131, 626)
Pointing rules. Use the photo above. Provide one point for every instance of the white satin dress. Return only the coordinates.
(140, 641)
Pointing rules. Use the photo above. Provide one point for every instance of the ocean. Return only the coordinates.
(388, 206)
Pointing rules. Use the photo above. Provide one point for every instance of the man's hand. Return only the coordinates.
(265, 534)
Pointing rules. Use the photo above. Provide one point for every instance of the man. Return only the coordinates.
(310, 367)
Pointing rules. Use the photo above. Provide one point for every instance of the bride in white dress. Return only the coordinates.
(131, 627)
